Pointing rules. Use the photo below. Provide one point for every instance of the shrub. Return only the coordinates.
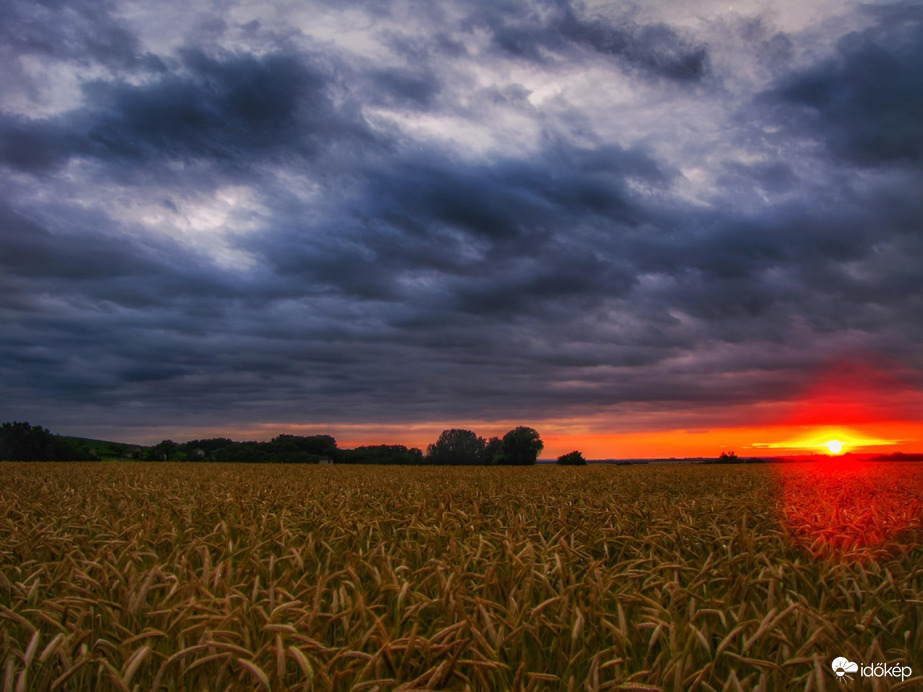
(574, 458)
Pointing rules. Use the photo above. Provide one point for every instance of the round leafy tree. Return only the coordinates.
(457, 447)
(520, 447)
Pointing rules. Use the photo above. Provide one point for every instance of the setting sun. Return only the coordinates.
(834, 446)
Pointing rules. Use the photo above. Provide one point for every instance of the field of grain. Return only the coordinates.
(205, 576)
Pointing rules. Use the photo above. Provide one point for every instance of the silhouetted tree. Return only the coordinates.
(492, 451)
(249, 452)
(520, 446)
(899, 456)
(381, 454)
(20, 441)
(204, 450)
(574, 458)
(167, 450)
(457, 447)
(290, 449)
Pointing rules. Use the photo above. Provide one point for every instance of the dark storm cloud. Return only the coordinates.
(413, 235)
(228, 109)
(557, 30)
(27, 249)
(108, 275)
(866, 102)
(34, 145)
(294, 231)
(215, 108)
(513, 197)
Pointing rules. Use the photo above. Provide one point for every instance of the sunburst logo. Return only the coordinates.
(842, 666)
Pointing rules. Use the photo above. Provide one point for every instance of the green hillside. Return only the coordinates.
(104, 450)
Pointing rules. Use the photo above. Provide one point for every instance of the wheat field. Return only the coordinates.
(120, 576)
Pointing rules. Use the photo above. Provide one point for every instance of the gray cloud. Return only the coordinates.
(555, 31)
(84, 31)
(440, 215)
(866, 102)
(225, 109)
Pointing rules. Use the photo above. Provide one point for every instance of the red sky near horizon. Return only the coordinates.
(869, 408)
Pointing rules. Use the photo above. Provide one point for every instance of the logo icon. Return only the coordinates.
(841, 666)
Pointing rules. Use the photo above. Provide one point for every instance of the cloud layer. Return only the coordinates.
(365, 213)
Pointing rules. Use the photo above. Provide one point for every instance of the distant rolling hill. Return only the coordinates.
(104, 449)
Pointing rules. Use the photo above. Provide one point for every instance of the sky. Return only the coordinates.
(643, 228)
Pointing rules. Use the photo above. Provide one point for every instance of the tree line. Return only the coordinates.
(455, 447)
(24, 442)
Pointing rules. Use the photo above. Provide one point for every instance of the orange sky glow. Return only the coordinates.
(561, 436)
(866, 408)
